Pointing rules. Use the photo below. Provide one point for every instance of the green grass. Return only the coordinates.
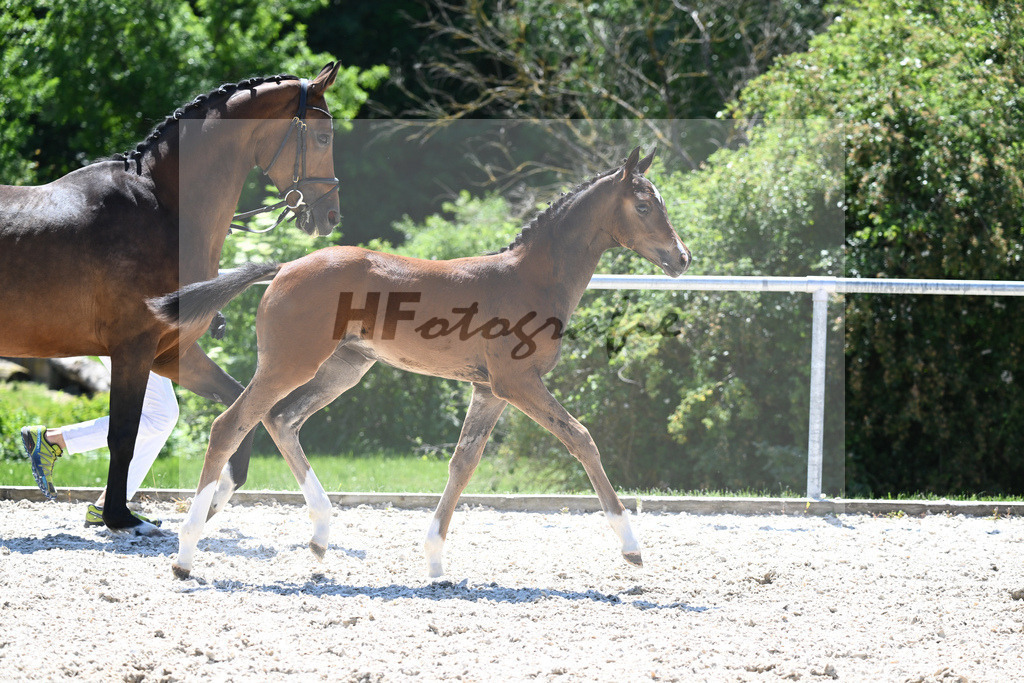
(375, 473)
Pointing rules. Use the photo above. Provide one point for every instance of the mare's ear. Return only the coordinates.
(630, 165)
(325, 77)
(645, 163)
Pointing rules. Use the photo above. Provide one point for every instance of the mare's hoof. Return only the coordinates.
(435, 569)
(180, 573)
(140, 529)
(633, 559)
(318, 550)
(147, 529)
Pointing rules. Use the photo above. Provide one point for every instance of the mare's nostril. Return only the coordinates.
(332, 217)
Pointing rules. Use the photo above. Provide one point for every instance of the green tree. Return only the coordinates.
(80, 81)
(929, 95)
(642, 60)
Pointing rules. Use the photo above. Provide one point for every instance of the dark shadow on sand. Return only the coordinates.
(320, 586)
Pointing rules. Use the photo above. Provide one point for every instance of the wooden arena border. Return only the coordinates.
(698, 505)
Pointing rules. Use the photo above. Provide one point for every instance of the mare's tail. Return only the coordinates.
(199, 301)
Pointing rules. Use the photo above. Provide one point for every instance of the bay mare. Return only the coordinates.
(495, 321)
(80, 256)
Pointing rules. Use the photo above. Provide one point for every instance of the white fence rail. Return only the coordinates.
(819, 288)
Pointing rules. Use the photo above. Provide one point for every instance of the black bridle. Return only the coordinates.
(299, 177)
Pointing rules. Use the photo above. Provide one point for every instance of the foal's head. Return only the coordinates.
(639, 219)
(298, 156)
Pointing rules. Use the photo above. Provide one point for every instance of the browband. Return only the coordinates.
(303, 87)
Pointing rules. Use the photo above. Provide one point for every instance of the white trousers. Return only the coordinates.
(159, 415)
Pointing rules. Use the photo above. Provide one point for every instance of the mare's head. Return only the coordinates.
(298, 154)
(639, 221)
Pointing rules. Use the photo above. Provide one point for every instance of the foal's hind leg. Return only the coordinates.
(339, 373)
(483, 413)
(531, 396)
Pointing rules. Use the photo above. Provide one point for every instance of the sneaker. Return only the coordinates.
(42, 454)
(94, 516)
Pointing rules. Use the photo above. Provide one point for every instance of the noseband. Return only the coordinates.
(299, 177)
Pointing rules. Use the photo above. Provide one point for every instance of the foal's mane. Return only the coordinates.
(555, 212)
(197, 107)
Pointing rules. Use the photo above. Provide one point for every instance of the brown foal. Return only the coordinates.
(494, 320)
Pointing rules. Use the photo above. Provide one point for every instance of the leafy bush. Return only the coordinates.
(27, 403)
(929, 95)
(691, 390)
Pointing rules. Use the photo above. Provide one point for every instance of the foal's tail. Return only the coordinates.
(199, 301)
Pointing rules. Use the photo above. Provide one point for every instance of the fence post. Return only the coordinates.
(816, 421)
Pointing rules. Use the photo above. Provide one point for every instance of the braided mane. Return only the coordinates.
(555, 212)
(200, 105)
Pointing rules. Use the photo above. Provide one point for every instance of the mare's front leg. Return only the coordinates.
(484, 411)
(338, 373)
(196, 372)
(129, 373)
(528, 393)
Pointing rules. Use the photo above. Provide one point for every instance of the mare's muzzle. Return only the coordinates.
(674, 261)
(322, 215)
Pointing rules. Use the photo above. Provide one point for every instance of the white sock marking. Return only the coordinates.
(319, 507)
(620, 524)
(192, 529)
(433, 546)
(225, 488)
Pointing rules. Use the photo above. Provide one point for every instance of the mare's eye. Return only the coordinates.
(643, 208)
(323, 138)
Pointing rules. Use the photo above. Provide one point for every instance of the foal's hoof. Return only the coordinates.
(318, 550)
(180, 572)
(633, 558)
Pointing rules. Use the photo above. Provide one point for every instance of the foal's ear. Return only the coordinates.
(325, 77)
(645, 163)
(630, 165)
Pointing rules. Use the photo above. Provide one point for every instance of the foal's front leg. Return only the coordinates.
(484, 410)
(196, 372)
(531, 396)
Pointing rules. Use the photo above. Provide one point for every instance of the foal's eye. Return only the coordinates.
(643, 208)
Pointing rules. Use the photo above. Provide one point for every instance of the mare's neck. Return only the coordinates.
(199, 172)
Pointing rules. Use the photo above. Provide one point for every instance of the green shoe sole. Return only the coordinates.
(42, 455)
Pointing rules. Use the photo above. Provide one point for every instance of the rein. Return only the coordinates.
(299, 177)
